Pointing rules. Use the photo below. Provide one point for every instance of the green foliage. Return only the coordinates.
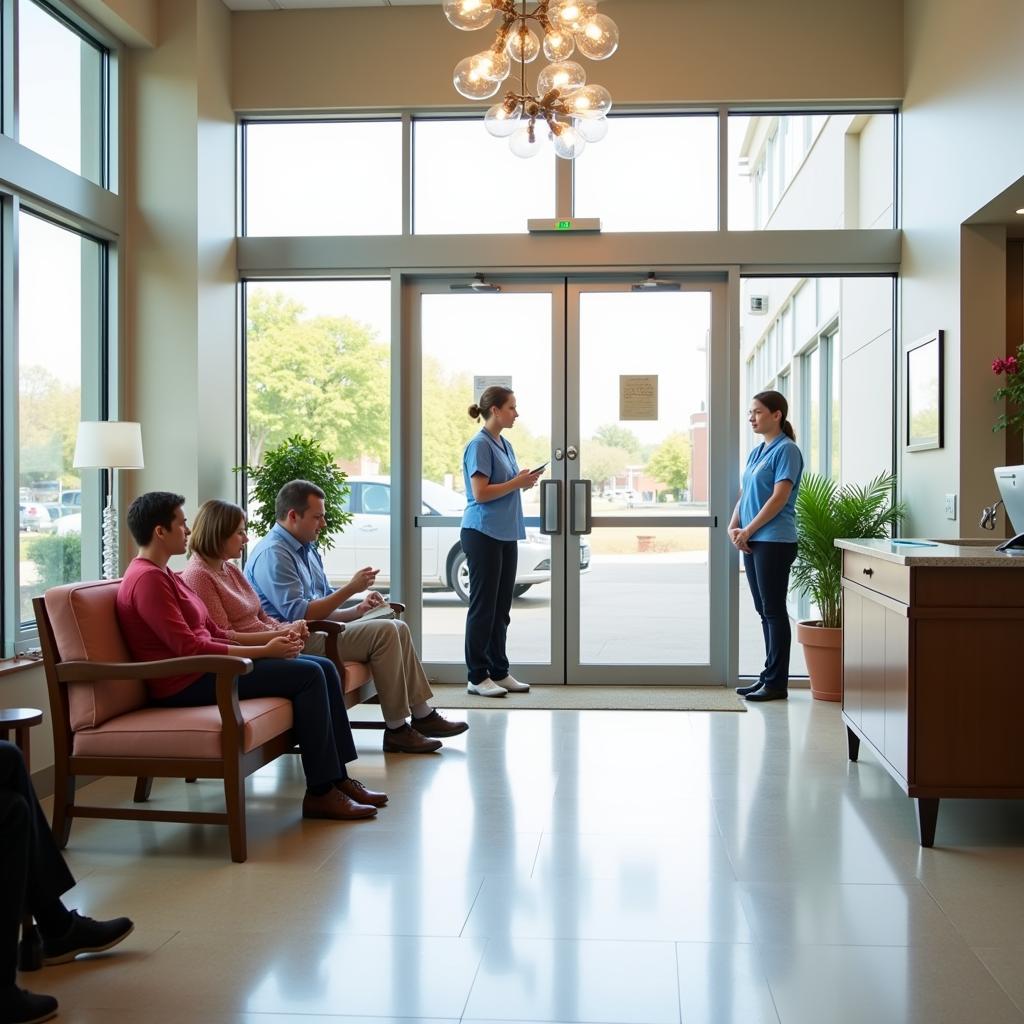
(670, 463)
(614, 436)
(826, 512)
(602, 462)
(48, 415)
(1012, 391)
(57, 559)
(297, 458)
(328, 375)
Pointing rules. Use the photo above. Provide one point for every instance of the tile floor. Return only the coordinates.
(664, 868)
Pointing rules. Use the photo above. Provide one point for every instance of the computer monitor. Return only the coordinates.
(1010, 480)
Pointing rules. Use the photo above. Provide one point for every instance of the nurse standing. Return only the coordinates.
(763, 529)
(492, 526)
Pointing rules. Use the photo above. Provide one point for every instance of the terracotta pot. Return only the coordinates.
(823, 652)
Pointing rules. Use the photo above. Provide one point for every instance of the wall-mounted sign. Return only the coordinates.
(483, 382)
(638, 396)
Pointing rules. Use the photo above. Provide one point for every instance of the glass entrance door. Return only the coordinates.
(623, 572)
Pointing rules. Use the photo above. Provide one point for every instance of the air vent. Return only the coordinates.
(758, 304)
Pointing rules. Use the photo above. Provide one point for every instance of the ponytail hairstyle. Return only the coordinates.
(493, 396)
(775, 401)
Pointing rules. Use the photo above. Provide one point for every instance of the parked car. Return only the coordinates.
(367, 541)
(37, 516)
(69, 524)
(70, 502)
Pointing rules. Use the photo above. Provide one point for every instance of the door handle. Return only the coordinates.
(551, 507)
(579, 508)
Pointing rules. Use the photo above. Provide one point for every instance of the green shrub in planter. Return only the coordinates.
(57, 559)
(297, 458)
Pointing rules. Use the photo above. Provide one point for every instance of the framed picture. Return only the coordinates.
(922, 371)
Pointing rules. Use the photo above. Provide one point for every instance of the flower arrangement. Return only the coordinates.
(1013, 390)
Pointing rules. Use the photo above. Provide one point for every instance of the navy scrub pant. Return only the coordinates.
(767, 566)
(492, 578)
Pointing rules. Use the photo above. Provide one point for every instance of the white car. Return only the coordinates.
(69, 524)
(367, 541)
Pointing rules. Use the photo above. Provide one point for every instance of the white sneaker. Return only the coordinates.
(487, 688)
(514, 686)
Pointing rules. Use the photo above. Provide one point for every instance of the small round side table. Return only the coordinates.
(21, 720)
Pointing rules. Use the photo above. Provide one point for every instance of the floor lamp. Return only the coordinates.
(103, 444)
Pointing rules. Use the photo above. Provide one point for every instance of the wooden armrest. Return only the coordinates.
(89, 671)
(397, 607)
(328, 626)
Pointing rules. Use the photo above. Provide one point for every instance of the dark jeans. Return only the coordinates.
(318, 709)
(492, 577)
(32, 871)
(767, 566)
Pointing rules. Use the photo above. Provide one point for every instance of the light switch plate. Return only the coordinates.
(951, 506)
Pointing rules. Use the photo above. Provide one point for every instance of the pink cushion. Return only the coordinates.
(356, 673)
(182, 732)
(85, 626)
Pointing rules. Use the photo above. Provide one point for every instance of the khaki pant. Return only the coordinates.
(397, 671)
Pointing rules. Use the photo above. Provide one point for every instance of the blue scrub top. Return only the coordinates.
(501, 518)
(766, 466)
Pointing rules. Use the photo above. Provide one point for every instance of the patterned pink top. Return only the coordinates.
(231, 601)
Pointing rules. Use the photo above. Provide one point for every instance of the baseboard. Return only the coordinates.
(43, 781)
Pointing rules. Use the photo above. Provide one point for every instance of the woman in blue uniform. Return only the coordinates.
(492, 526)
(763, 529)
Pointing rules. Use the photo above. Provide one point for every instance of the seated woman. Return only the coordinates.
(161, 618)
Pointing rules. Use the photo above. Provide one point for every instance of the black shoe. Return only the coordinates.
(85, 936)
(752, 688)
(766, 693)
(20, 1007)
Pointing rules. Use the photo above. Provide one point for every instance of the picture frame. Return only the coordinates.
(923, 392)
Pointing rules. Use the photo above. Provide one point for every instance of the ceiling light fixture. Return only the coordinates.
(575, 113)
(1021, 212)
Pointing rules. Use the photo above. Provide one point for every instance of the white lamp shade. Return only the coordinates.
(103, 444)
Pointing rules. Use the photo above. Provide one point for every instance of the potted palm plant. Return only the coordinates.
(825, 513)
(297, 458)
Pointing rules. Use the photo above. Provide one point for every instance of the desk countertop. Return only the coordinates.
(966, 552)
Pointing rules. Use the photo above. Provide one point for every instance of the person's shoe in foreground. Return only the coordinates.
(437, 726)
(85, 936)
(335, 805)
(766, 693)
(486, 688)
(406, 740)
(18, 1006)
(513, 685)
(355, 790)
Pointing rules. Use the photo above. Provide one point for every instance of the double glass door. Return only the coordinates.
(623, 574)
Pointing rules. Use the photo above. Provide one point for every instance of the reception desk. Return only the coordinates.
(933, 667)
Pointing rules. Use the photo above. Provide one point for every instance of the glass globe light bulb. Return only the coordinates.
(593, 129)
(590, 102)
(470, 81)
(564, 76)
(494, 65)
(558, 45)
(598, 37)
(569, 143)
(569, 15)
(522, 146)
(523, 45)
(500, 122)
(469, 15)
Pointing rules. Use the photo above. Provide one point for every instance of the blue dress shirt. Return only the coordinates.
(286, 575)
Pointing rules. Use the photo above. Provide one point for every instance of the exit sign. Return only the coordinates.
(591, 225)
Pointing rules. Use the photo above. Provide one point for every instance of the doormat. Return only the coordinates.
(595, 698)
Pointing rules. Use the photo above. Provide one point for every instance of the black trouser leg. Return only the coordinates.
(302, 681)
(767, 566)
(15, 833)
(497, 654)
(343, 741)
(483, 556)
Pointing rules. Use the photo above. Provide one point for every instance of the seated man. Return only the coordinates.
(33, 877)
(286, 572)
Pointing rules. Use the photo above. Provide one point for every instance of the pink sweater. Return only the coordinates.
(230, 599)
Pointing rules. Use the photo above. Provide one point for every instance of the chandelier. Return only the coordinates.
(573, 112)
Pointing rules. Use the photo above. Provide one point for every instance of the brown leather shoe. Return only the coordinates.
(406, 740)
(354, 789)
(336, 806)
(436, 725)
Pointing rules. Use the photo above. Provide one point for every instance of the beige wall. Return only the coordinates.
(962, 146)
(672, 51)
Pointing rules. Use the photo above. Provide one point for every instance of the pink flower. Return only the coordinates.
(999, 366)
(1010, 364)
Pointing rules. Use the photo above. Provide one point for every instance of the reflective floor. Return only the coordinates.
(567, 867)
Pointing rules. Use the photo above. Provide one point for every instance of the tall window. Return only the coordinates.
(60, 327)
(62, 92)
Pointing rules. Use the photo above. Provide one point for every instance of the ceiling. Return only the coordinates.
(295, 5)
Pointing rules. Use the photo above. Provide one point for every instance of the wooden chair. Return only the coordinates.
(103, 726)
